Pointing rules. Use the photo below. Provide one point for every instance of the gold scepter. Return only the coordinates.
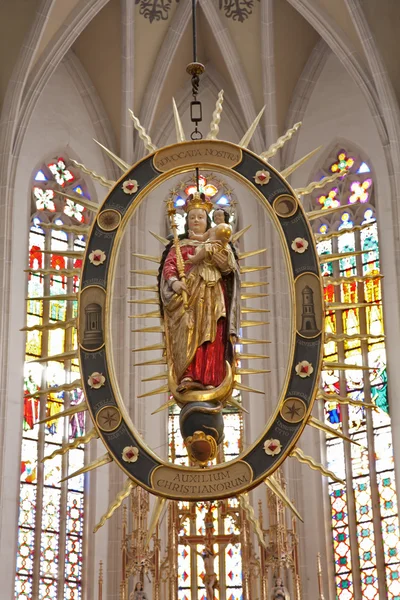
(179, 259)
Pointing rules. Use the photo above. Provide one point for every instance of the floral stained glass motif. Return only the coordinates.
(72, 209)
(54, 521)
(61, 173)
(44, 199)
(361, 342)
(53, 176)
(343, 163)
(331, 200)
(353, 186)
(360, 191)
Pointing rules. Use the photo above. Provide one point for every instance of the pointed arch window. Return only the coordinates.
(196, 518)
(51, 514)
(365, 523)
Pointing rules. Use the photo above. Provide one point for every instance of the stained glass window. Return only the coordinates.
(51, 515)
(197, 518)
(365, 522)
(353, 186)
(342, 163)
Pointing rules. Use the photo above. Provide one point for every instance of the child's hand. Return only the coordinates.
(191, 234)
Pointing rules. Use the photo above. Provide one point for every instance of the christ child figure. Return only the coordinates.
(215, 241)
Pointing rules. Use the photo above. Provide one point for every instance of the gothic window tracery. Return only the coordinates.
(365, 524)
(51, 515)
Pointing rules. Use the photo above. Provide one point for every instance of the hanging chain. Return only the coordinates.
(195, 69)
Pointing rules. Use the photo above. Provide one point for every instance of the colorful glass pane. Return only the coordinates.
(331, 200)
(79, 190)
(233, 568)
(44, 199)
(369, 584)
(344, 586)
(368, 216)
(355, 350)
(323, 229)
(72, 209)
(40, 176)
(61, 174)
(44, 580)
(359, 191)
(346, 222)
(210, 190)
(363, 168)
(343, 163)
(192, 188)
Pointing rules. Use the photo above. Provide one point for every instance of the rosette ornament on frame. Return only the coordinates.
(205, 303)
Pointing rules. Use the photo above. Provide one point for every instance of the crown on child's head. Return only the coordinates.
(198, 200)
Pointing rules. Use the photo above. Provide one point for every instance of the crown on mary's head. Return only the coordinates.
(198, 200)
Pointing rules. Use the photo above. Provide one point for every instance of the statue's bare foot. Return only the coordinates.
(188, 384)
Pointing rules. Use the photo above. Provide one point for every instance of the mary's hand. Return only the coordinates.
(179, 287)
(221, 261)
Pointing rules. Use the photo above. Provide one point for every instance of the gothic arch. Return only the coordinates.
(94, 107)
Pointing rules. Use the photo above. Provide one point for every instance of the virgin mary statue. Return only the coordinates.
(201, 331)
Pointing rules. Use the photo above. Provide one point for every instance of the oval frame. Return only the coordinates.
(279, 437)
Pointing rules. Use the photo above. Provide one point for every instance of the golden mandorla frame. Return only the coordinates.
(172, 469)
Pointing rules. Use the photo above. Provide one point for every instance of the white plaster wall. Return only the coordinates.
(59, 124)
(337, 112)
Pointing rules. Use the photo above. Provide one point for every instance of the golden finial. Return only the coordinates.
(245, 141)
(280, 142)
(308, 460)
(102, 180)
(116, 503)
(180, 134)
(148, 144)
(124, 166)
